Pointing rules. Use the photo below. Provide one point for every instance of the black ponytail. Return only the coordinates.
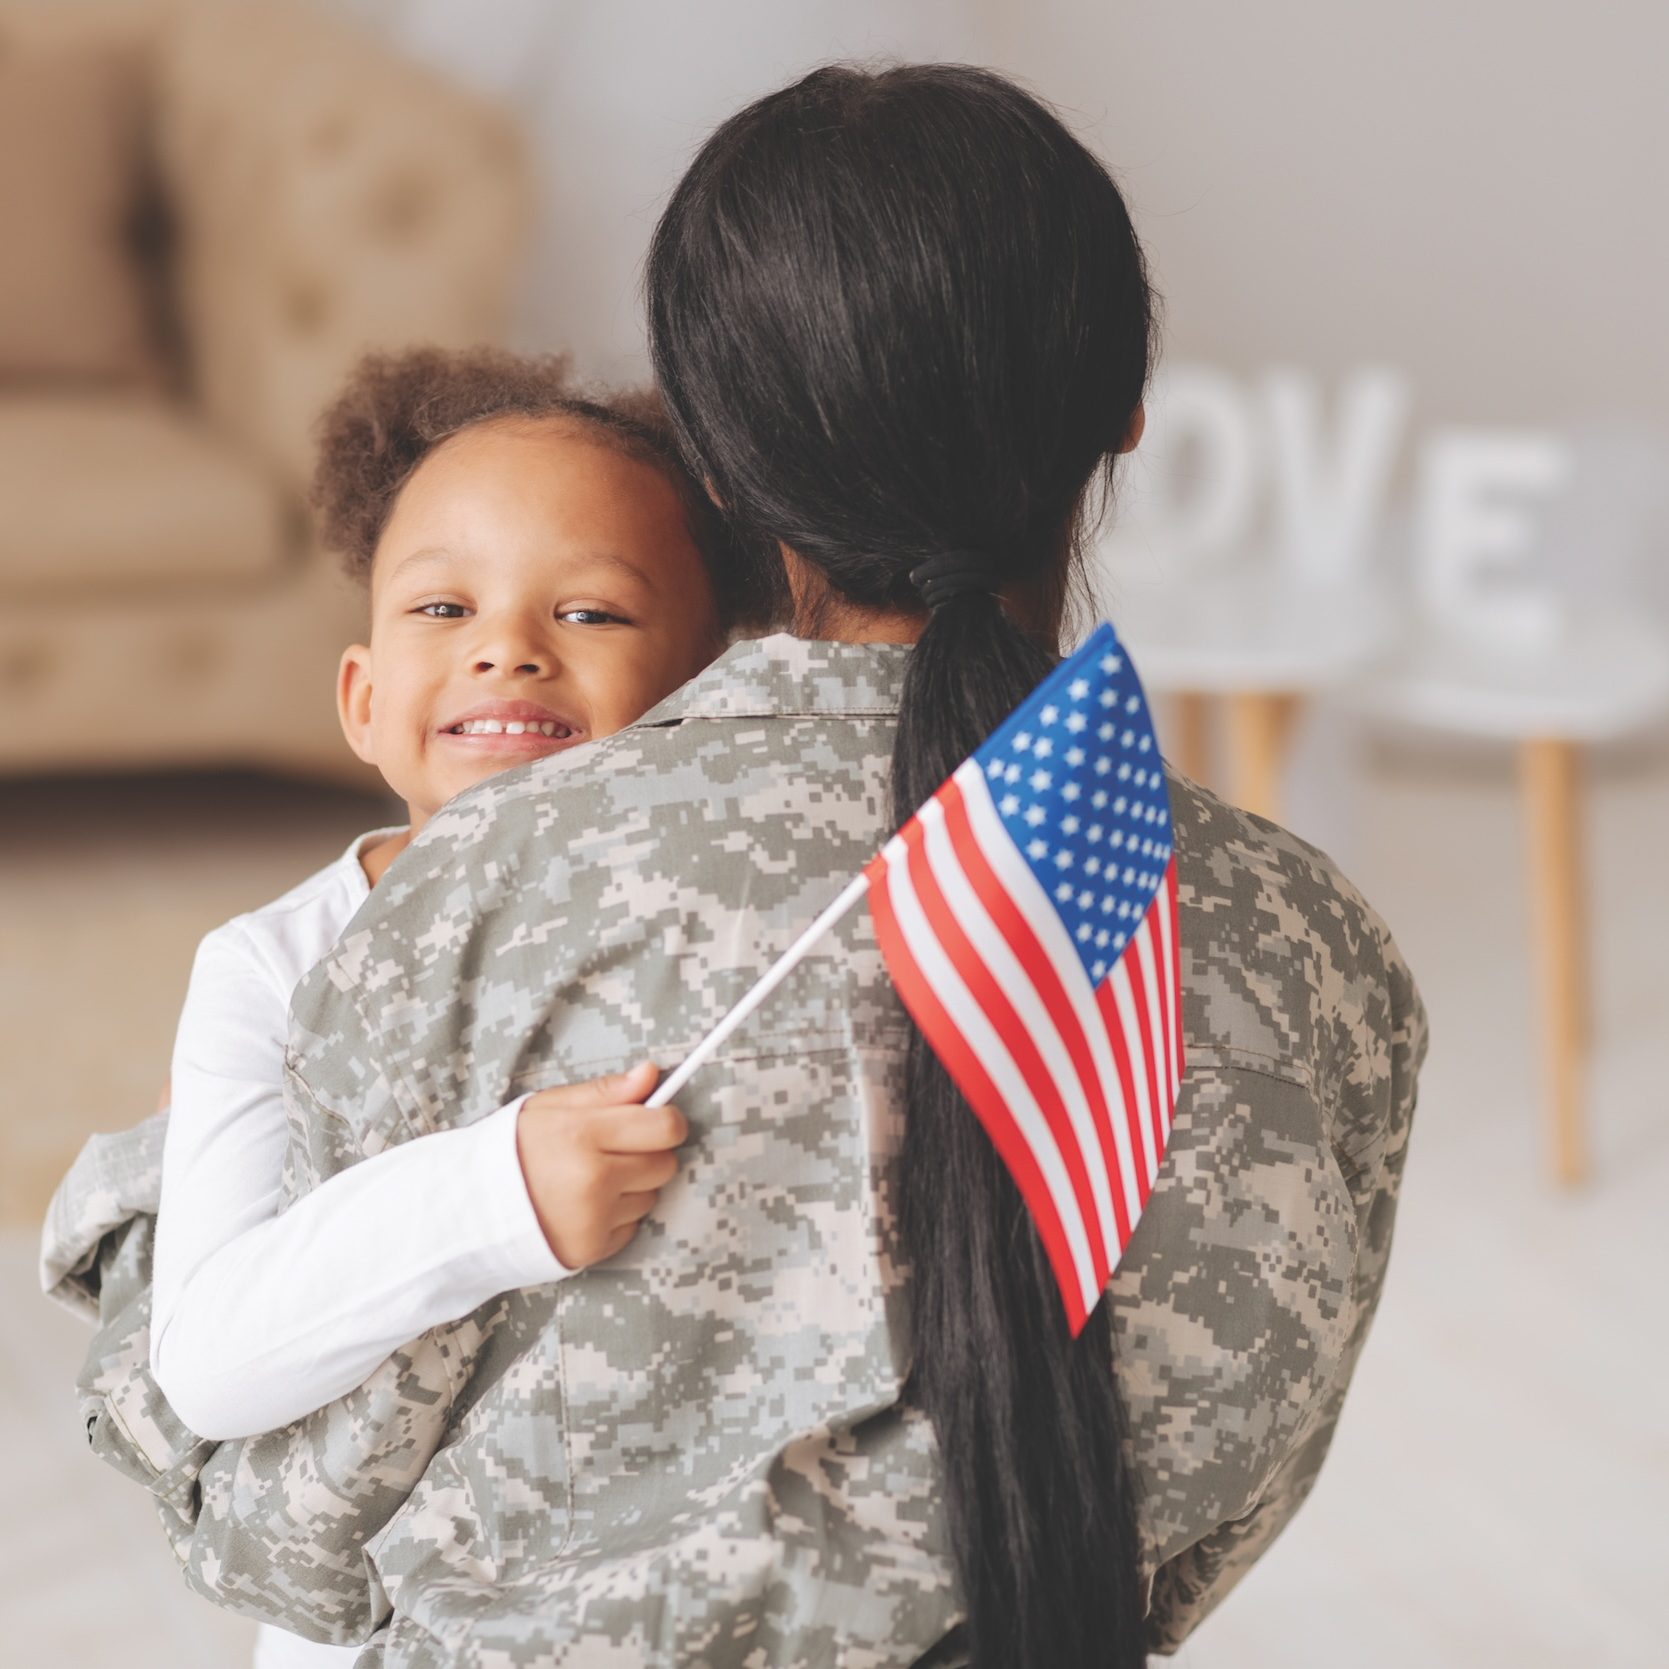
(897, 315)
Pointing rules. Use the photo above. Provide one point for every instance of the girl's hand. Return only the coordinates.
(166, 1099)
(595, 1159)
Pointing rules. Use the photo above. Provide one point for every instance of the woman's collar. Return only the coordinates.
(783, 675)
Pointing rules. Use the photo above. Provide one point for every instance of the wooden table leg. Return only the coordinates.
(1551, 802)
(1191, 715)
(1260, 727)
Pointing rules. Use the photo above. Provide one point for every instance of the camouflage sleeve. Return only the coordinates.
(1371, 1123)
(273, 1526)
(115, 1179)
(96, 1247)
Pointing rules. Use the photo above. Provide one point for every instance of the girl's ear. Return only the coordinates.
(353, 700)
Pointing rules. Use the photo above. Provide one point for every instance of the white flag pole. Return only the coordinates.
(780, 970)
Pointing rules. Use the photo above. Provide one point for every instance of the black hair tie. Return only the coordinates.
(955, 574)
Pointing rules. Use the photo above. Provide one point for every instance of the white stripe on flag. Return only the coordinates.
(1124, 998)
(1158, 1043)
(969, 1019)
(1026, 1000)
(1044, 920)
(1167, 948)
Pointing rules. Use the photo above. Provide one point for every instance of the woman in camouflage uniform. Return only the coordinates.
(824, 1409)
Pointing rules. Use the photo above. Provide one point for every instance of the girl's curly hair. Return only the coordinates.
(396, 408)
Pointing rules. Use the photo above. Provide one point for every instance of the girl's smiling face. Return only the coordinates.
(530, 574)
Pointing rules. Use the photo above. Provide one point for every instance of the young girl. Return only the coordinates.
(541, 572)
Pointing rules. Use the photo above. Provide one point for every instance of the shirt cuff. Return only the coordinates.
(522, 1256)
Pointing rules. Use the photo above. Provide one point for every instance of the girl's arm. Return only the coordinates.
(259, 1318)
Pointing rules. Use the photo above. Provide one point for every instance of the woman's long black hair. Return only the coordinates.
(896, 314)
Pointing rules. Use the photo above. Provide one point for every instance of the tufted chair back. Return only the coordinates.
(322, 202)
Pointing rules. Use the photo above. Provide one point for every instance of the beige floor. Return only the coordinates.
(1495, 1494)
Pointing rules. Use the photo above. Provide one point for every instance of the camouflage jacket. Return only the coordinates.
(697, 1452)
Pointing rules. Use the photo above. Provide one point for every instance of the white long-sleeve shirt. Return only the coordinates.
(258, 1319)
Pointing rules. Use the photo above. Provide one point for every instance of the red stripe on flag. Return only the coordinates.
(981, 1094)
(1045, 977)
(999, 1011)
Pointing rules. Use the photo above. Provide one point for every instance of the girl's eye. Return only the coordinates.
(579, 616)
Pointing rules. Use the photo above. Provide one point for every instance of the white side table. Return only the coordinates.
(1605, 675)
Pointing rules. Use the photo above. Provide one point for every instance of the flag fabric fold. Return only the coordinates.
(1028, 916)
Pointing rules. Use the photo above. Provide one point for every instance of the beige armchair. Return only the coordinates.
(164, 604)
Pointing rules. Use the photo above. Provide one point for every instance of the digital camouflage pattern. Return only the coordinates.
(696, 1454)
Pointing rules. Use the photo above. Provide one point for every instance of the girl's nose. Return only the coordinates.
(534, 665)
(512, 646)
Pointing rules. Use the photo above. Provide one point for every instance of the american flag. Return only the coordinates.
(1028, 917)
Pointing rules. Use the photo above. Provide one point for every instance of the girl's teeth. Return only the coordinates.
(512, 727)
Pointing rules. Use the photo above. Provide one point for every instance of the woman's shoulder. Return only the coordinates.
(633, 887)
(775, 730)
(1285, 961)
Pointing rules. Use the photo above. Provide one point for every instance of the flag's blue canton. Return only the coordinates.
(1077, 782)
